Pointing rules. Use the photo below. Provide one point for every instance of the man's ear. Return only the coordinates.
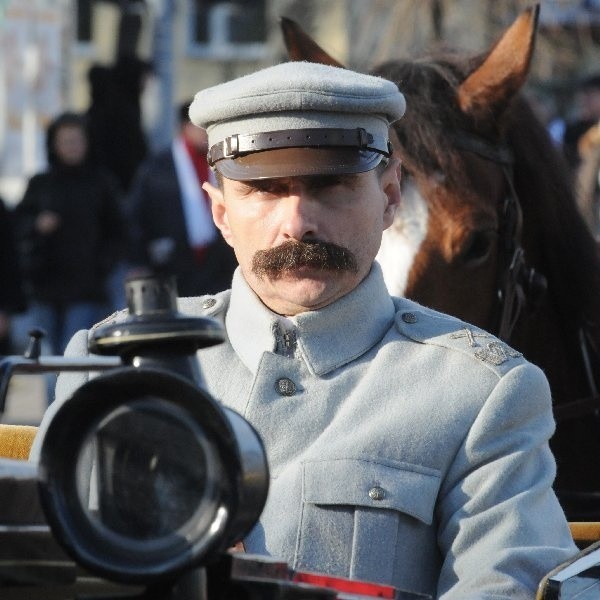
(390, 185)
(219, 212)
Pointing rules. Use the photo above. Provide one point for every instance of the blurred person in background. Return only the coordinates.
(117, 140)
(12, 298)
(170, 218)
(588, 178)
(70, 232)
(587, 101)
(544, 105)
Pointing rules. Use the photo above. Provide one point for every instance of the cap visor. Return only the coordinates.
(294, 162)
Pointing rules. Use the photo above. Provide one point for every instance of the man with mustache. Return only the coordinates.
(405, 446)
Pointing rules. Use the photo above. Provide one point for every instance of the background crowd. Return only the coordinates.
(105, 208)
(577, 133)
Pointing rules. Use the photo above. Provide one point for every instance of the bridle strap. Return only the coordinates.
(500, 154)
(515, 278)
(511, 296)
(590, 404)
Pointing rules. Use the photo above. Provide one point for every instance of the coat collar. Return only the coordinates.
(326, 339)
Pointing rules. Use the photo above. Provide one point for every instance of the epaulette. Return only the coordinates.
(116, 317)
(204, 306)
(431, 327)
(200, 306)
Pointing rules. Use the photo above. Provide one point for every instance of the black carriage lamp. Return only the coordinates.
(142, 474)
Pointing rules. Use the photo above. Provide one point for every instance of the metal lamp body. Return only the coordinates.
(142, 473)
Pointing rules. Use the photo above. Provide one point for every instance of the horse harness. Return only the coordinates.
(518, 285)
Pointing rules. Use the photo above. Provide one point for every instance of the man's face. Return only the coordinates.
(304, 242)
(70, 144)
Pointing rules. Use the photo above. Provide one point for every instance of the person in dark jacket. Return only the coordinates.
(12, 298)
(117, 138)
(70, 232)
(170, 218)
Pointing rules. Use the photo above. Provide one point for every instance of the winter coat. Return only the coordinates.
(71, 263)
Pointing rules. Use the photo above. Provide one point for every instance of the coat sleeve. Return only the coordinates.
(12, 297)
(139, 211)
(500, 525)
(33, 202)
(32, 245)
(114, 232)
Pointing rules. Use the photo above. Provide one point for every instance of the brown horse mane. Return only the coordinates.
(429, 85)
(570, 259)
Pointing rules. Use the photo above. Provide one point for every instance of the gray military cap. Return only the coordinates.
(297, 118)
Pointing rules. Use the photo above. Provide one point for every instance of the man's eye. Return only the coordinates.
(254, 188)
(265, 187)
(270, 190)
(319, 183)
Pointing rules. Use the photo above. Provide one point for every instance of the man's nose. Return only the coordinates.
(300, 214)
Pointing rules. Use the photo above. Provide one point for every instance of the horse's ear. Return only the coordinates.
(301, 46)
(487, 91)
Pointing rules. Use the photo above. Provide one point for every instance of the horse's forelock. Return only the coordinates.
(426, 130)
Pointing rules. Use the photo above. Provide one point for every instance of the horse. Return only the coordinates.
(489, 230)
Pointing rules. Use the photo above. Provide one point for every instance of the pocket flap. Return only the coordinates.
(411, 489)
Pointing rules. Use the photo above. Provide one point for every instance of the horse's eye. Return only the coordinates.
(477, 248)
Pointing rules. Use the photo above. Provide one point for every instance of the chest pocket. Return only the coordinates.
(355, 511)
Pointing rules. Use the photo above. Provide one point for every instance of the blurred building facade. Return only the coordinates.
(48, 46)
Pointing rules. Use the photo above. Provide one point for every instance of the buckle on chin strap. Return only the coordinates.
(232, 146)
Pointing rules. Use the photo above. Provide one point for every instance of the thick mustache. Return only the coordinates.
(291, 255)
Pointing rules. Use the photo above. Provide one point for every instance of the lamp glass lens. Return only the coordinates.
(145, 473)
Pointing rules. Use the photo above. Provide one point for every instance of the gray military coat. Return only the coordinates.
(405, 446)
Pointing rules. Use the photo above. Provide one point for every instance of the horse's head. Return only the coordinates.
(487, 206)
(446, 246)
(458, 178)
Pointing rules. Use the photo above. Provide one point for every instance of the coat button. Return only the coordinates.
(209, 303)
(285, 387)
(409, 317)
(377, 493)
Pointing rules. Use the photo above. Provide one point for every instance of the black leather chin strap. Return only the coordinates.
(234, 146)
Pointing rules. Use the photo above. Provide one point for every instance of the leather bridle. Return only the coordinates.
(519, 286)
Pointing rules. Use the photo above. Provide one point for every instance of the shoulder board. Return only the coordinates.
(199, 306)
(431, 327)
(116, 317)
(204, 306)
